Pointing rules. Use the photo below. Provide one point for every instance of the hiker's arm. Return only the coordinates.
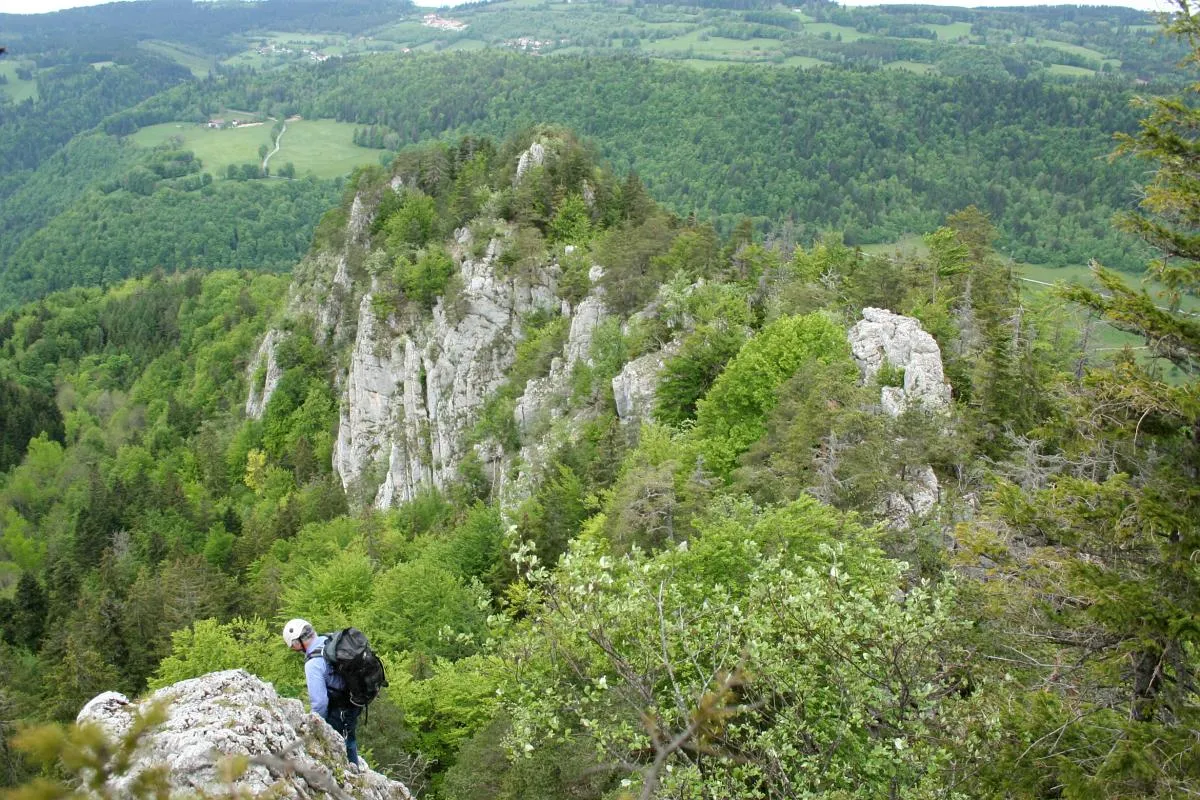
(318, 695)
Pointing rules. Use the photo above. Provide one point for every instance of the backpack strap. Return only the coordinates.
(319, 651)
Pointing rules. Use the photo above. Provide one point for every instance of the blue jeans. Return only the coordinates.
(343, 718)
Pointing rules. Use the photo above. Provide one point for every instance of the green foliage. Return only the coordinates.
(410, 226)
(632, 271)
(422, 607)
(425, 278)
(689, 374)
(448, 704)
(572, 221)
(250, 644)
(732, 416)
(890, 375)
(765, 611)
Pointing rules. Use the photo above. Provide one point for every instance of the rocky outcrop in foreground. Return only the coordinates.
(292, 753)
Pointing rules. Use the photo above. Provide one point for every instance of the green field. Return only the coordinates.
(322, 147)
(912, 66)
(701, 43)
(952, 32)
(1082, 275)
(17, 89)
(847, 34)
(1068, 71)
(199, 66)
(1106, 340)
(1066, 47)
(909, 246)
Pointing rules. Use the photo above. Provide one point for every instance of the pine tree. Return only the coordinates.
(1121, 511)
(28, 620)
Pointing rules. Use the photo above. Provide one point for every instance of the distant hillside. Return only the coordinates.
(869, 152)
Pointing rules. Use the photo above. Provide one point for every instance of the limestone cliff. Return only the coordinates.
(414, 382)
(291, 753)
(881, 339)
(415, 387)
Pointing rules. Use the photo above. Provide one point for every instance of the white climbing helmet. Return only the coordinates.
(296, 629)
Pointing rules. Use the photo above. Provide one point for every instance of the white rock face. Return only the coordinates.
(918, 497)
(882, 337)
(634, 386)
(413, 394)
(257, 399)
(360, 218)
(535, 156)
(293, 754)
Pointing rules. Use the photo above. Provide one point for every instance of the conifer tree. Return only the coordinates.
(1122, 509)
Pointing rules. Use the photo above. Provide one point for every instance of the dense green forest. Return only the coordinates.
(875, 155)
(709, 605)
(872, 122)
(130, 230)
(716, 600)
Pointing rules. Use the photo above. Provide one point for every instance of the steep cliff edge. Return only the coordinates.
(291, 753)
(415, 380)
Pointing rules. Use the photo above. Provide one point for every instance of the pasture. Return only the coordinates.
(1068, 71)
(912, 66)
(324, 148)
(838, 32)
(701, 43)
(16, 89)
(952, 32)
(196, 63)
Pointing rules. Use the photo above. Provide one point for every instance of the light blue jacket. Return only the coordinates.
(320, 678)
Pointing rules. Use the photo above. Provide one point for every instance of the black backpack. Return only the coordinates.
(350, 656)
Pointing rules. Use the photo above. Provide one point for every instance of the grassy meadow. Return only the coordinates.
(196, 63)
(16, 89)
(324, 148)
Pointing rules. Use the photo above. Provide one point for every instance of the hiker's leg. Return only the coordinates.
(350, 716)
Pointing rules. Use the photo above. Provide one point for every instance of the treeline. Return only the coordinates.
(144, 221)
(874, 154)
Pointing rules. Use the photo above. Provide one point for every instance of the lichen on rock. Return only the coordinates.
(291, 753)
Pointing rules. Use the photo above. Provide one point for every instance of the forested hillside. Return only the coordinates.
(715, 595)
(641, 476)
(875, 155)
(804, 134)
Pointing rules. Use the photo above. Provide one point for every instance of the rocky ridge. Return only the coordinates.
(414, 386)
(291, 753)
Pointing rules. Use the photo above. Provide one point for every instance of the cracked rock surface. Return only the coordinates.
(292, 753)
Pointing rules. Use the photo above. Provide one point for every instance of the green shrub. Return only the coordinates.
(425, 279)
(733, 414)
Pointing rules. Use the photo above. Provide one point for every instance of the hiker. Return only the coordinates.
(326, 689)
